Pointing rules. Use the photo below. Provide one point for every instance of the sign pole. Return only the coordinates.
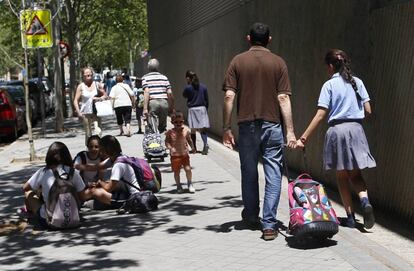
(26, 97)
(42, 94)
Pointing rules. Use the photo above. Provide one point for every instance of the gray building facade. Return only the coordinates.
(378, 35)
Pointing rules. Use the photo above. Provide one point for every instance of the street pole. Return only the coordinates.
(42, 94)
(32, 156)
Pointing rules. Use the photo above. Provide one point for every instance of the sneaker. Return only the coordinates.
(180, 190)
(269, 234)
(368, 213)
(191, 189)
(205, 150)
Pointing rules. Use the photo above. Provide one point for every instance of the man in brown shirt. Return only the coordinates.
(261, 83)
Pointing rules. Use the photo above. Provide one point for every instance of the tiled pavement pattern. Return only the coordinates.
(200, 231)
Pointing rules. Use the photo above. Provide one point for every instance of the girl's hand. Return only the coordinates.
(300, 144)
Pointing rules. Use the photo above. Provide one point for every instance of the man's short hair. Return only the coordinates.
(259, 34)
(153, 65)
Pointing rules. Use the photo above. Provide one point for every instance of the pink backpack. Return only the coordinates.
(148, 176)
(311, 213)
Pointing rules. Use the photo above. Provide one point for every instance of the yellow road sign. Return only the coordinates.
(36, 28)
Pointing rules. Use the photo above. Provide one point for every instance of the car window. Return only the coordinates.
(15, 91)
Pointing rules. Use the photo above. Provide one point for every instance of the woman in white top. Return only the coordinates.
(87, 93)
(123, 99)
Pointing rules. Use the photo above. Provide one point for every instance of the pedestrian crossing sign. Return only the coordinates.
(36, 28)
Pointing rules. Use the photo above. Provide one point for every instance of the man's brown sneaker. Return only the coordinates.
(269, 234)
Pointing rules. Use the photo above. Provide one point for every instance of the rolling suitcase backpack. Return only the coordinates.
(311, 213)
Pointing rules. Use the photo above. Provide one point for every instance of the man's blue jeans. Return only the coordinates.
(261, 139)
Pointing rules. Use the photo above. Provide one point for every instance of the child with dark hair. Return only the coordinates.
(177, 140)
(58, 159)
(87, 162)
(115, 189)
(345, 101)
(197, 103)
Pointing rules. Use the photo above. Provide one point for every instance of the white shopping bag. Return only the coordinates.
(104, 108)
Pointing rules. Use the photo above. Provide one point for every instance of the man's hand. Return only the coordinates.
(228, 139)
(291, 140)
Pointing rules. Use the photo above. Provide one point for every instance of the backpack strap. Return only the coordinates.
(130, 184)
(68, 174)
(82, 156)
(137, 170)
(139, 175)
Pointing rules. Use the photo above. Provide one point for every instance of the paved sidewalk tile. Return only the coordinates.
(201, 231)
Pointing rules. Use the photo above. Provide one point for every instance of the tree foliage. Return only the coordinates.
(11, 51)
(107, 31)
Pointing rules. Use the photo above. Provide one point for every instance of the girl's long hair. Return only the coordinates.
(342, 64)
(58, 154)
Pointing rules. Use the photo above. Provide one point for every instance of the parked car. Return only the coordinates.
(12, 115)
(34, 94)
(17, 92)
(49, 92)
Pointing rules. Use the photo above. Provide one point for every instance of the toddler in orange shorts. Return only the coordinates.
(177, 141)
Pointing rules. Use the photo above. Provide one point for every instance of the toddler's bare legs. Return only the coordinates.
(178, 181)
(189, 176)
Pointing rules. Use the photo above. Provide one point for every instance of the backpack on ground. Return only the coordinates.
(62, 206)
(311, 213)
(148, 176)
(140, 202)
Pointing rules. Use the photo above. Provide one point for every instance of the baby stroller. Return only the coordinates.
(152, 143)
(311, 213)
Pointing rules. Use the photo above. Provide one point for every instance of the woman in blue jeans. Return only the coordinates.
(345, 101)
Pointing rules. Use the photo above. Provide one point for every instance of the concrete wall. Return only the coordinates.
(378, 35)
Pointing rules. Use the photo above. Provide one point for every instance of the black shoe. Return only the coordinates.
(368, 213)
(348, 222)
(205, 150)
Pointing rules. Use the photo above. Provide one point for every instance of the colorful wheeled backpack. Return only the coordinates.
(311, 213)
(152, 143)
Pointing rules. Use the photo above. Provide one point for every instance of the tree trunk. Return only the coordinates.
(57, 74)
(73, 63)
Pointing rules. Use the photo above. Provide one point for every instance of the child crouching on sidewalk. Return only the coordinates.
(177, 140)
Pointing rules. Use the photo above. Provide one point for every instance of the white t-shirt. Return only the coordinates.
(125, 172)
(87, 97)
(119, 93)
(44, 178)
(88, 176)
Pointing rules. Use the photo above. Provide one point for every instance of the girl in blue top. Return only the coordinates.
(197, 103)
(345, 100)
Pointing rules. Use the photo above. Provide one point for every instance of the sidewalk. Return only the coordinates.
(200, 231)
